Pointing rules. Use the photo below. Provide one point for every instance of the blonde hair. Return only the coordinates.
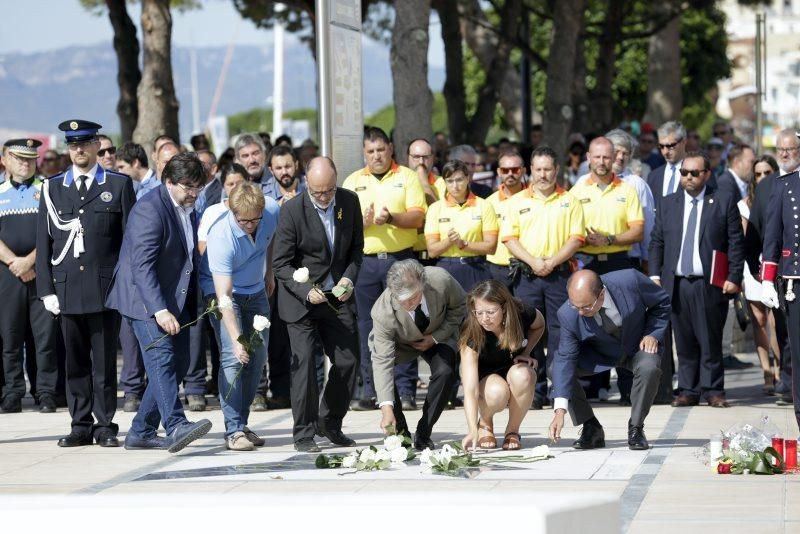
(246, 198)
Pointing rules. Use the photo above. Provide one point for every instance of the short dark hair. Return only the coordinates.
(698, 154)
(284, 140)
(210, 154)
(453, 166)
(165, 137)
(185, 169)
(736, 151)
(130, 152)
(199, 142)
(102, 136)
(233, 168)
(545, 151)
(281, 150)
(373, 133)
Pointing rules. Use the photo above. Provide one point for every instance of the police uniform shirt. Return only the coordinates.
(19, 203)
(473, 220)
(781, 253)
(609, 211)
(399, 191)
(500, 202)
(543, 225)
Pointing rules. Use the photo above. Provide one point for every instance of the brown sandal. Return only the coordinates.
(487, 442)
(512, 441)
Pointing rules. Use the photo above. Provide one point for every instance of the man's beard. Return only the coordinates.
(286, 181)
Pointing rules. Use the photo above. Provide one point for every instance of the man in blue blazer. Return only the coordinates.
(153, 288)
(618, 319)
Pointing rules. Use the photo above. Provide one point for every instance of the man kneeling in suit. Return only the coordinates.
(615, 320)
(418, 314)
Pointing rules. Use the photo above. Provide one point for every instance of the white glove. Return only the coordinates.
(51, 304)
(768, 294)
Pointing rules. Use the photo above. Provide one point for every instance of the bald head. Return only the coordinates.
(584, 288)
(601, 157)
(321, 180)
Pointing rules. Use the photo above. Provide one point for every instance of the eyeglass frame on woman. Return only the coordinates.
(486, 313)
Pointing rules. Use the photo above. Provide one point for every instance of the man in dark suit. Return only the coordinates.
(734, 181)
(693, 225)
(321, 230)
(154, 288)
(618, 319)
(665, 180)
(82, 216)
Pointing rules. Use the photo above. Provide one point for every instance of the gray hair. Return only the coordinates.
(459, 151)
(672, 127)
(787, 133)
(405, 278)
(248, 139)
(622, 139)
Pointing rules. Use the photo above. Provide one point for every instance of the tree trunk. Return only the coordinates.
(664, 96)
(126, 45)
(603, 100)
(413, 100)
(568, 17)
(582, 120)
(484, 44)
(453, 91)
(158, 105)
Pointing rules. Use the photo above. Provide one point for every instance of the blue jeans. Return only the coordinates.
(166, 365)
(236, 408)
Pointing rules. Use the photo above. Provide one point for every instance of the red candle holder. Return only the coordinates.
(790, 458)
(778, 445)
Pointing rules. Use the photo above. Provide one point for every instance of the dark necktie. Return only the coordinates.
(687, 251)
(671, 184)
(608, 325)
(82, 186)
(420, 319)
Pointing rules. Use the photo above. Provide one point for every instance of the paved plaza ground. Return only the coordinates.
(661, 490)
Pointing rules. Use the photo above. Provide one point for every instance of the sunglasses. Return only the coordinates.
(509, 170)
(693, 172)
(669, 146)
(110, 151)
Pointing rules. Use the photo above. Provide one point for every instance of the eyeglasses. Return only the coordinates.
(420, 156)
(187, 189)
(249, 221)
(509, 170)
(669, 146)
(587, 309)
(110, 150)
(485, 313)
(693, 172)
(321, 194)
(787, 150)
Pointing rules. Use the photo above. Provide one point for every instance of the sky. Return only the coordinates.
(38, 25)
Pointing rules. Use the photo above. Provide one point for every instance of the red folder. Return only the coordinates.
(719, 268)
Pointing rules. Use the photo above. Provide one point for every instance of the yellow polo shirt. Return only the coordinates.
(399, 190)
(500, 200)
(474, 220)
(439, 189)
(543, 225)
(610, 211)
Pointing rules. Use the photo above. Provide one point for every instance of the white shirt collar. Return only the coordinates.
(700, 196)
(90, 174)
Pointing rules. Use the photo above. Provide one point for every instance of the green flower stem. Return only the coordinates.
(159, 340)
(233, 382)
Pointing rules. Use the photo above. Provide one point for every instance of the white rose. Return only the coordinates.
(260, 323)
(301, 275)
(382, 455)
(542, 451)
(349, 461)
(399, 455)
(393, 442)
(366, 455)
(425, 457)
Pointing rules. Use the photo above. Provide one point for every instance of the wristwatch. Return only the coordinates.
(610, 239)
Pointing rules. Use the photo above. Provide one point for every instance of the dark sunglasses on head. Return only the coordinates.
(111, 151)
(694, 172)
(669, 146)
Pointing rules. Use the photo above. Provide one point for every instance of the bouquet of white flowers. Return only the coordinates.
(396, 450)
(452, 458)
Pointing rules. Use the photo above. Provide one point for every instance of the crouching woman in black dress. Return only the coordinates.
(497, 369)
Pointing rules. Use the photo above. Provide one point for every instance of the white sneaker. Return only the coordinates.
(239, 442)
(603, 394)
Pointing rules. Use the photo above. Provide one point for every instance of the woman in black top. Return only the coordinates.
(497, 369)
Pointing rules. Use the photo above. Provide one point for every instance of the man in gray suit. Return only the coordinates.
(419, 314)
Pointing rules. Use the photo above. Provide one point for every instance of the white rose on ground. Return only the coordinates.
(366, 455)
(425, 457)
(542, 451)
(399, 455)
(301, 275)
(349, 461)
(260, 323)
(393, 442)
(382, 455)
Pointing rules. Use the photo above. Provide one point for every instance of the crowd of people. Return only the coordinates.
(521, 276)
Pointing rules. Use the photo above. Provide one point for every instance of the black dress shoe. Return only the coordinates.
(11, 405)
(421, 443)
(279, 403)
(47, 404)
(135, 443)
(185, 434)
(592, 437)
(336, 437)
(363, 405)
(106, 439)
(306, 445)
(75, 440)
(636, 439)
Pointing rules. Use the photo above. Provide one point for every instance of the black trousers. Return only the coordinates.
(277, 374)
(338, 333)
(90, 341)
(784, 386)
(28, 333)
(698, 326)
(132, 379)
(793, 326)
(442, 361)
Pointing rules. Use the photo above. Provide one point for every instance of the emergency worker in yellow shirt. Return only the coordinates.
(511, 171)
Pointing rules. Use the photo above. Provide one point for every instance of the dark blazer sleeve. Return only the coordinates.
(773, 231)
(127, 201)
(565, 361)
(657, 305)
(283, 253)
(44, 251)
(454, 314)
(735, 243)
(147, 227)
(655, 262)
(356, 252)
(754, 236)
